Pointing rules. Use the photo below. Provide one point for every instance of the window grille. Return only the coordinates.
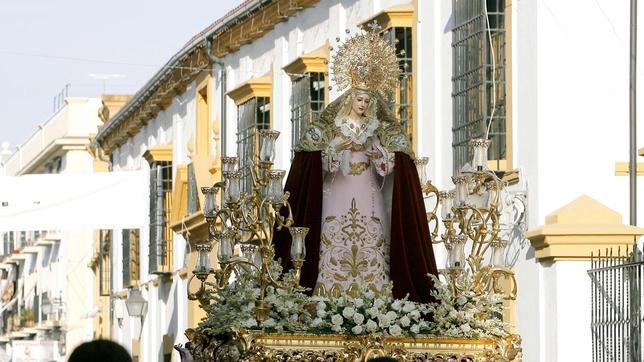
(23, 240)
(193, 195)
(104, 250)
(35, 307)
(402, 102)
(307, 102)
(472, 83)
(252, 116)
(130, 257)
(5, 244)
(42, 315)
(160, 255)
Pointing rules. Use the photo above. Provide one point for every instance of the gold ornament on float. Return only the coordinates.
(366, 61)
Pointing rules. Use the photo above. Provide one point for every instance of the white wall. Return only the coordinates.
(167, 301)
(569, 127)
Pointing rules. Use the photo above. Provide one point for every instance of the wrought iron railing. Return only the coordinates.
(616, 295)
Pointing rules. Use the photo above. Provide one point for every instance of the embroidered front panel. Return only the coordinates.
(352, 254)
(357, 168)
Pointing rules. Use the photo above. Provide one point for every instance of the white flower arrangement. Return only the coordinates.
(464, 314)
(370, 313)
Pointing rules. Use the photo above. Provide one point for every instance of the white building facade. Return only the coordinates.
(554, 84)
(48, 229)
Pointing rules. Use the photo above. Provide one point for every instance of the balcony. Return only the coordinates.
(71, 125)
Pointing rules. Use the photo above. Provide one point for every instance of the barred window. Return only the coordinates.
(8, 242)
(478, 81)
(130, 257)
(104, 262)
(252, 116)
(307, 102)
(160, 256)
(401, 39)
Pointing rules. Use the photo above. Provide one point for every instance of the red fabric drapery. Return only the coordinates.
(411, 253)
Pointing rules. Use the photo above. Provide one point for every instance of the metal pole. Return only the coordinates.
(632, 116)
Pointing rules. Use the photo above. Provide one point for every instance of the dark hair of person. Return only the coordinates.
(100, 350)
(382, 359)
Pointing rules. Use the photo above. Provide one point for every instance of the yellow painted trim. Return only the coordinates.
(414, 77)
(204, 123)
(194, 224)
(195, 312)
(397, 16)
(509, 155)
(158, 153)
(621, 168)
(136, 349)
(184, 71)
(579, 229)
(313, 62)
(193, 228)
(498, 164)
(253, 88)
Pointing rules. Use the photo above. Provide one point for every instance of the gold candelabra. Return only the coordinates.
(473, 217)
(247, 219)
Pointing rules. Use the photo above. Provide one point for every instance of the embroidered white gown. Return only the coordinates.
(354, 248)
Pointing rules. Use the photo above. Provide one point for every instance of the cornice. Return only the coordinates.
(313, 62)
(158, 153)
(252, 88)
(397, 16)
(246, 24)
(580, 229)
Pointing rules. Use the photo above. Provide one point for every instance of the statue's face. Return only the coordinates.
(360, 103)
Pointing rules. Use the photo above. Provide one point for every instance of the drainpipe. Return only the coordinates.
(633, 115)
(220, 62)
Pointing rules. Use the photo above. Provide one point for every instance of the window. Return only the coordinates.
(8, 242)
(307, 102)
(252, 116)
(105, 269)
(160, 256)
(130, 257)
(400, 38)
(23, 240)
(479, 94)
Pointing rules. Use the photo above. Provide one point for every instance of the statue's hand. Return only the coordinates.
(374, 154)
(343, 145)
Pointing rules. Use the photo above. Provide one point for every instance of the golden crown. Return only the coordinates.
(366, 61)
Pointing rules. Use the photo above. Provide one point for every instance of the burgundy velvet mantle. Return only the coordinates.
(411, 254)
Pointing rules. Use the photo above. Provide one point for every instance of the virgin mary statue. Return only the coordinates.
(354, 184)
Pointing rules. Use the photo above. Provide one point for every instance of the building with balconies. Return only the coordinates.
(48, 233)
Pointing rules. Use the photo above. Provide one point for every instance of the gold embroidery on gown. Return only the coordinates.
(352, 254)
(357, 168)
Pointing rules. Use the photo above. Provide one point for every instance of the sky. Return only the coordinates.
(47, 44)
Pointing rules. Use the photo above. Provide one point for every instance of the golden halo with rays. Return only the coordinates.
(366, 61)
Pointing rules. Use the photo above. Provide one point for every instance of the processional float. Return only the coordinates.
(257, 312)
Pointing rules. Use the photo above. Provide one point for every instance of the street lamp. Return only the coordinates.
(136, 305)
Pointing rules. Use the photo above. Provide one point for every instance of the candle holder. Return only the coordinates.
(474, 225)
(247, 220)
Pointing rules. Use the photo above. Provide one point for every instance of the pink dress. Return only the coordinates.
(354, 248)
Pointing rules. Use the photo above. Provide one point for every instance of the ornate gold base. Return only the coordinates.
(252, 346)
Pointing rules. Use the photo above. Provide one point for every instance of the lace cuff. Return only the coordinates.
(330, 158)
(383, 165)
